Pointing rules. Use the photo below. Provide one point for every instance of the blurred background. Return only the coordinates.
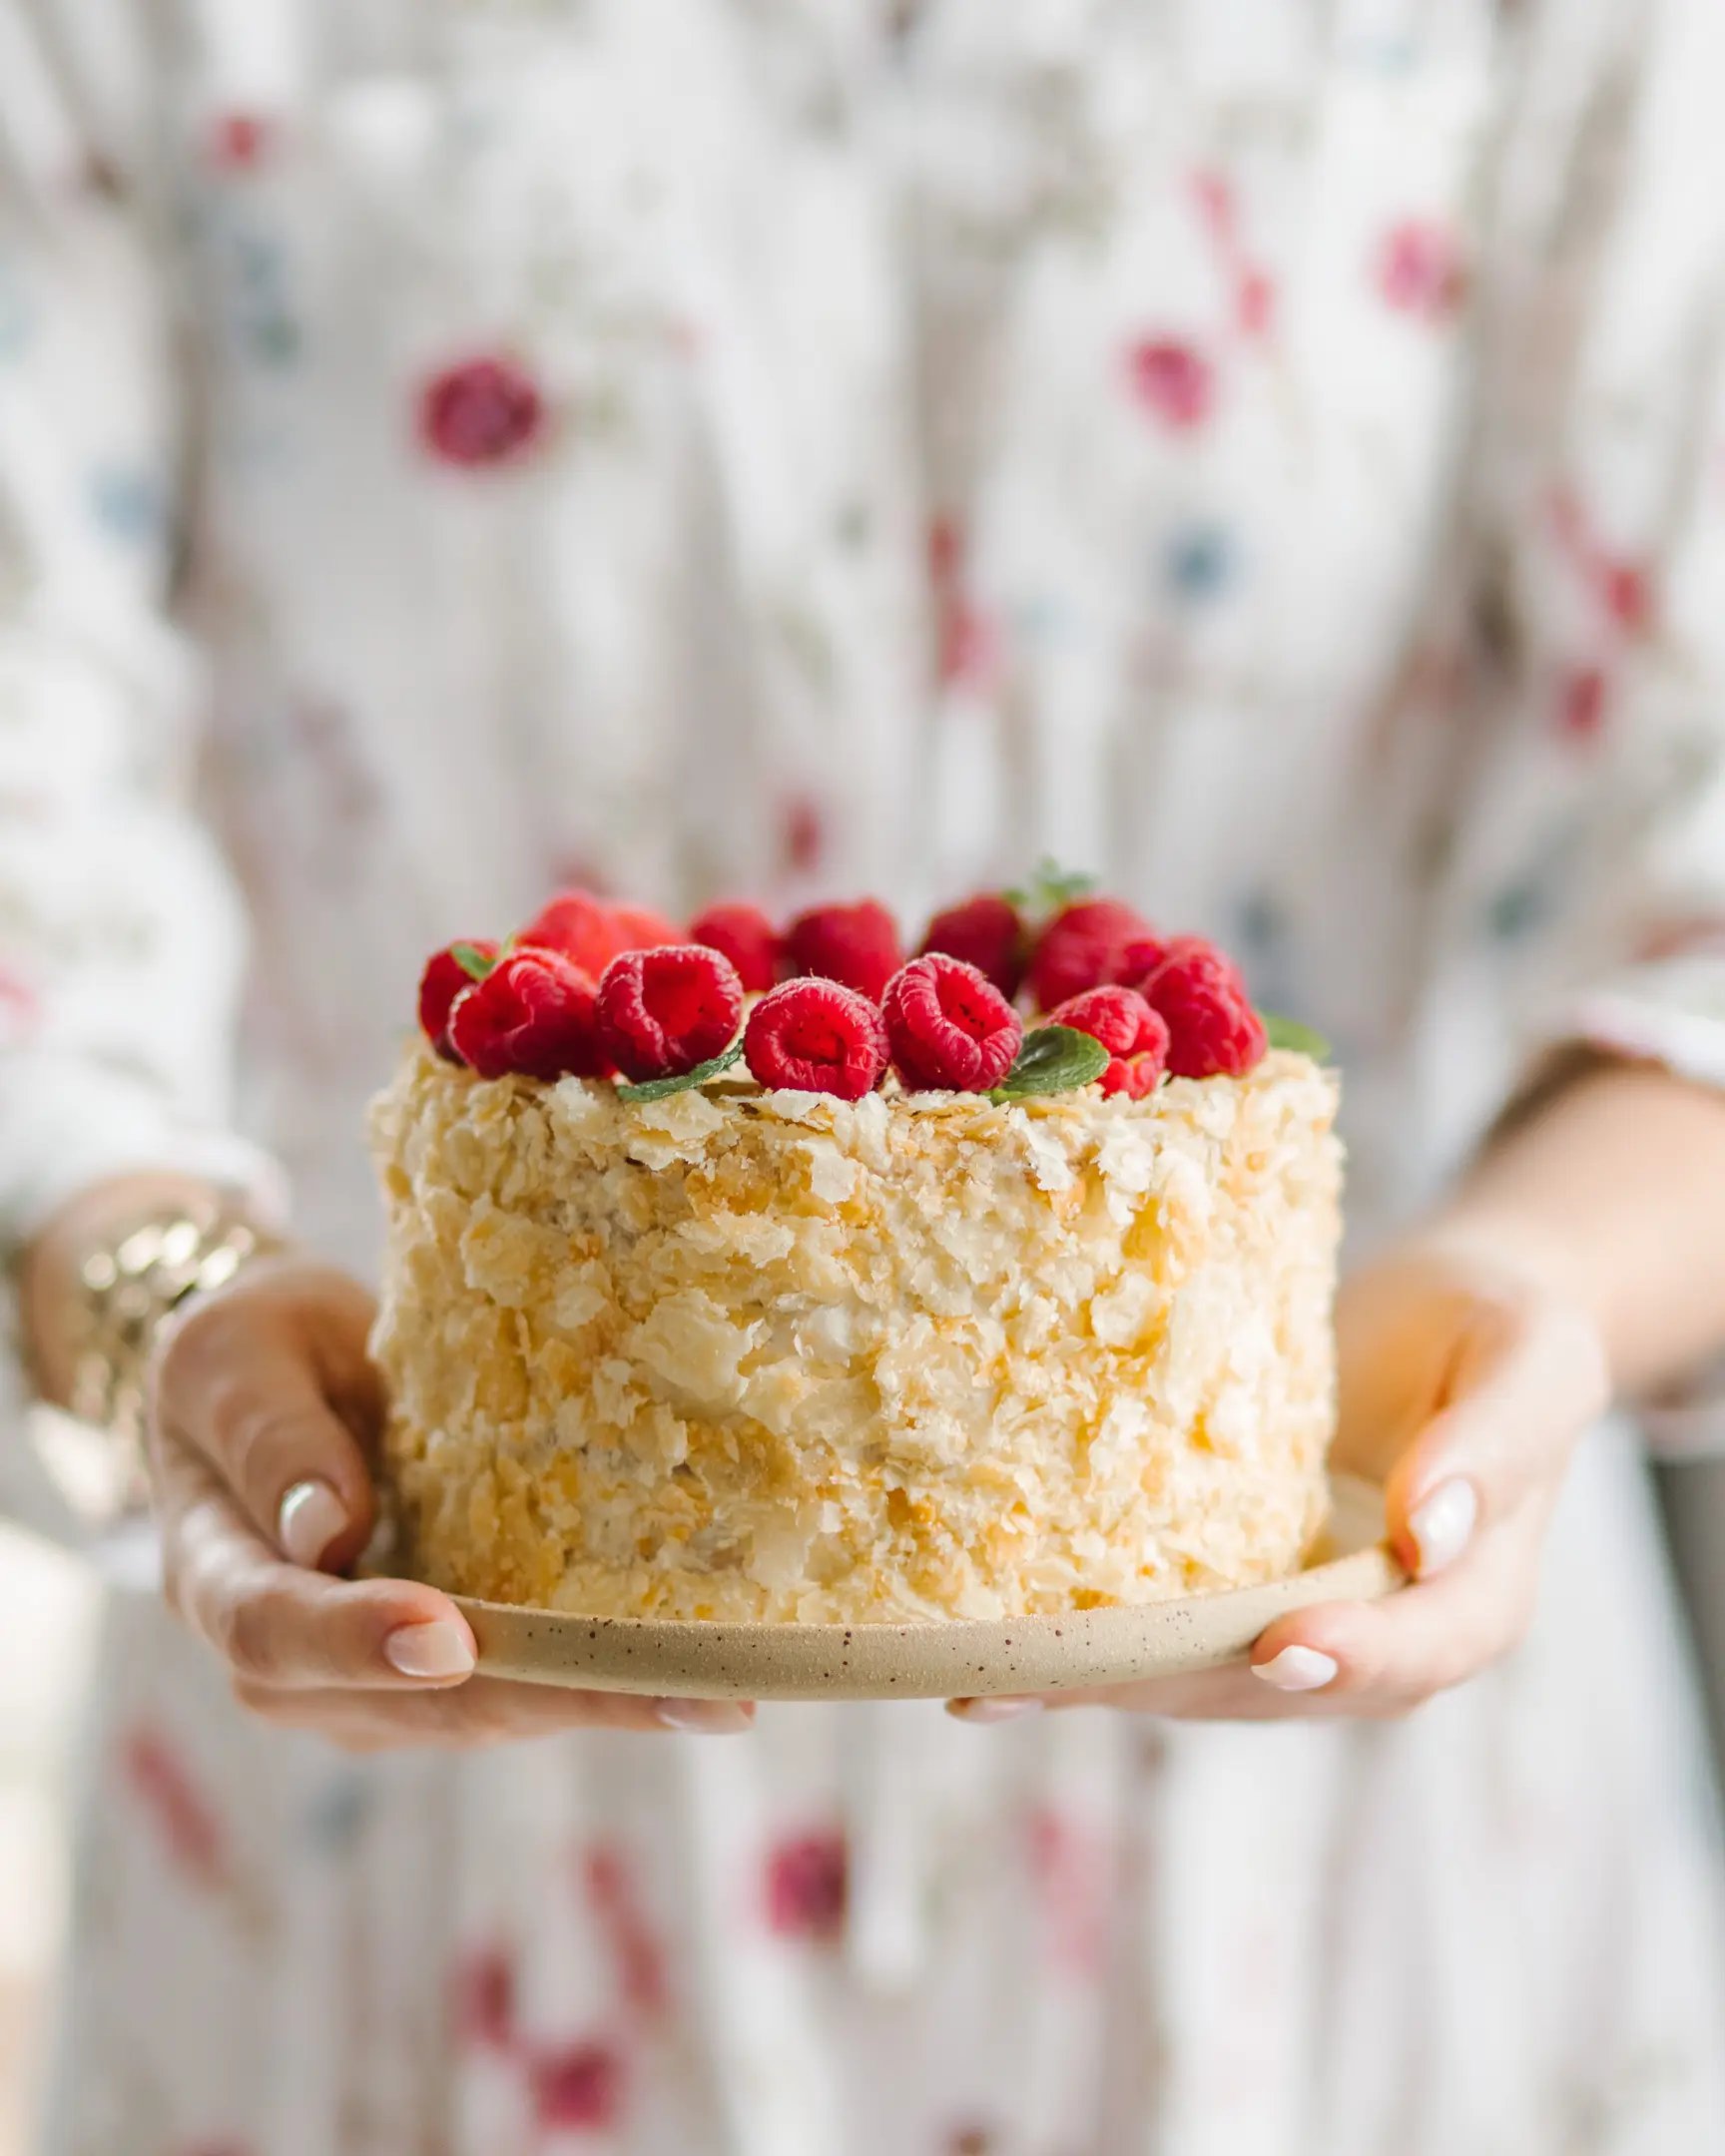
(48, 1608)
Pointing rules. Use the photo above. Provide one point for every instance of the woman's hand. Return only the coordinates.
(266, 1407)
(1464, 1385)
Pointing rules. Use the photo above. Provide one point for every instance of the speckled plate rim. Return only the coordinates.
(960, 1658)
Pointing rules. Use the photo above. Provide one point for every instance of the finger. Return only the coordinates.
(1524, 1394)
(1386, 1657)
(241, 1382)
(487, 1711)
(278, 1625)
(1227, 1694)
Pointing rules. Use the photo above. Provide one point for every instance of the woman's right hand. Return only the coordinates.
(264, 1407)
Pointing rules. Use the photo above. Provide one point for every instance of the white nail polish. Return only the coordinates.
(1443, 1525)
(703, 1717)
(1298, 1669)
(310, 1519)
(999, 1709)
(438, 1649)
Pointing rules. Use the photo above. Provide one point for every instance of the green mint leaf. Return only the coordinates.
(1053, 1059)
(472, 962)
(1290, 1033)
(1049, 888)
(663, 1088)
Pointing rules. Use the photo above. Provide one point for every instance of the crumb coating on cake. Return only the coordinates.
(743, 1354)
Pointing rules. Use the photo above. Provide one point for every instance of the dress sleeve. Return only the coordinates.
(120, 936)
(1593, 873)
(120, 940)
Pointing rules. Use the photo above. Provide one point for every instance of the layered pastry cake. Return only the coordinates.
(753, 1275)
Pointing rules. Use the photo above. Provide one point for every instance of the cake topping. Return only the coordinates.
(1084, 947)
(746, 937)
(664, 1012)
(950, 1027)
(1125, 1005)
(592, 933)
(986, 932)
(1053, 1059)
(1212, 1026)
(855, 946)
(533, 1014)
(817, 1036)
(448, 974)
(1135, 1036)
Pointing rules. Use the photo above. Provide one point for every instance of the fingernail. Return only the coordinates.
(996, 1710)
(438, 1649)
(1443, 1525)
(704, 1717)
(1298, 1669)
(311, 1518)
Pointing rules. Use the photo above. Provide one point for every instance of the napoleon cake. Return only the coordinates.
(758, 1275)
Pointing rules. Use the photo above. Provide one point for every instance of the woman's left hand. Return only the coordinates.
(1464, 1385)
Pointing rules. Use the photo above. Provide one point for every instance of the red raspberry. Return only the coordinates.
(1084, 947)
(661, 1012)
(444, 979)
(950, 1028)
(746, 937)
(1140, 959)
(855, 946)
(1135, 1036)
(985, 932)
(816, 1036)
(591, 933)
(533, 1013)
(1212, 1026)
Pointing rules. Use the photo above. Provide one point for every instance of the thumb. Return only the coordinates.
(269, 1383)
(1526, 1387)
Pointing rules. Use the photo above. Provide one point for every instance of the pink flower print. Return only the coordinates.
(1252, 287)
(803, 836)
(1419, 269)
(1174, 382)
(481, 412)
(964, 643)
(239, 142)
(161, 1783)
(578, 2088)
(615, 1894)
(485, 1999)
(1071, 1869)
(807, 1886)
(19, 1009)
(1582, 704)
(1621, 589)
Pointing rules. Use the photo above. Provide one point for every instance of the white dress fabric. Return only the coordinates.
(1271, 452)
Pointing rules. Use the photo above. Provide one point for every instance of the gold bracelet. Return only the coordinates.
(129, 1286)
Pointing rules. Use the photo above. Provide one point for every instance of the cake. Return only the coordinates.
(710, 1346)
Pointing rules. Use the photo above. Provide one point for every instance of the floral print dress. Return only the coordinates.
(1271, 452)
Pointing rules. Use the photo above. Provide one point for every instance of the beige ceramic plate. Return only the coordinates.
(933, 1661)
